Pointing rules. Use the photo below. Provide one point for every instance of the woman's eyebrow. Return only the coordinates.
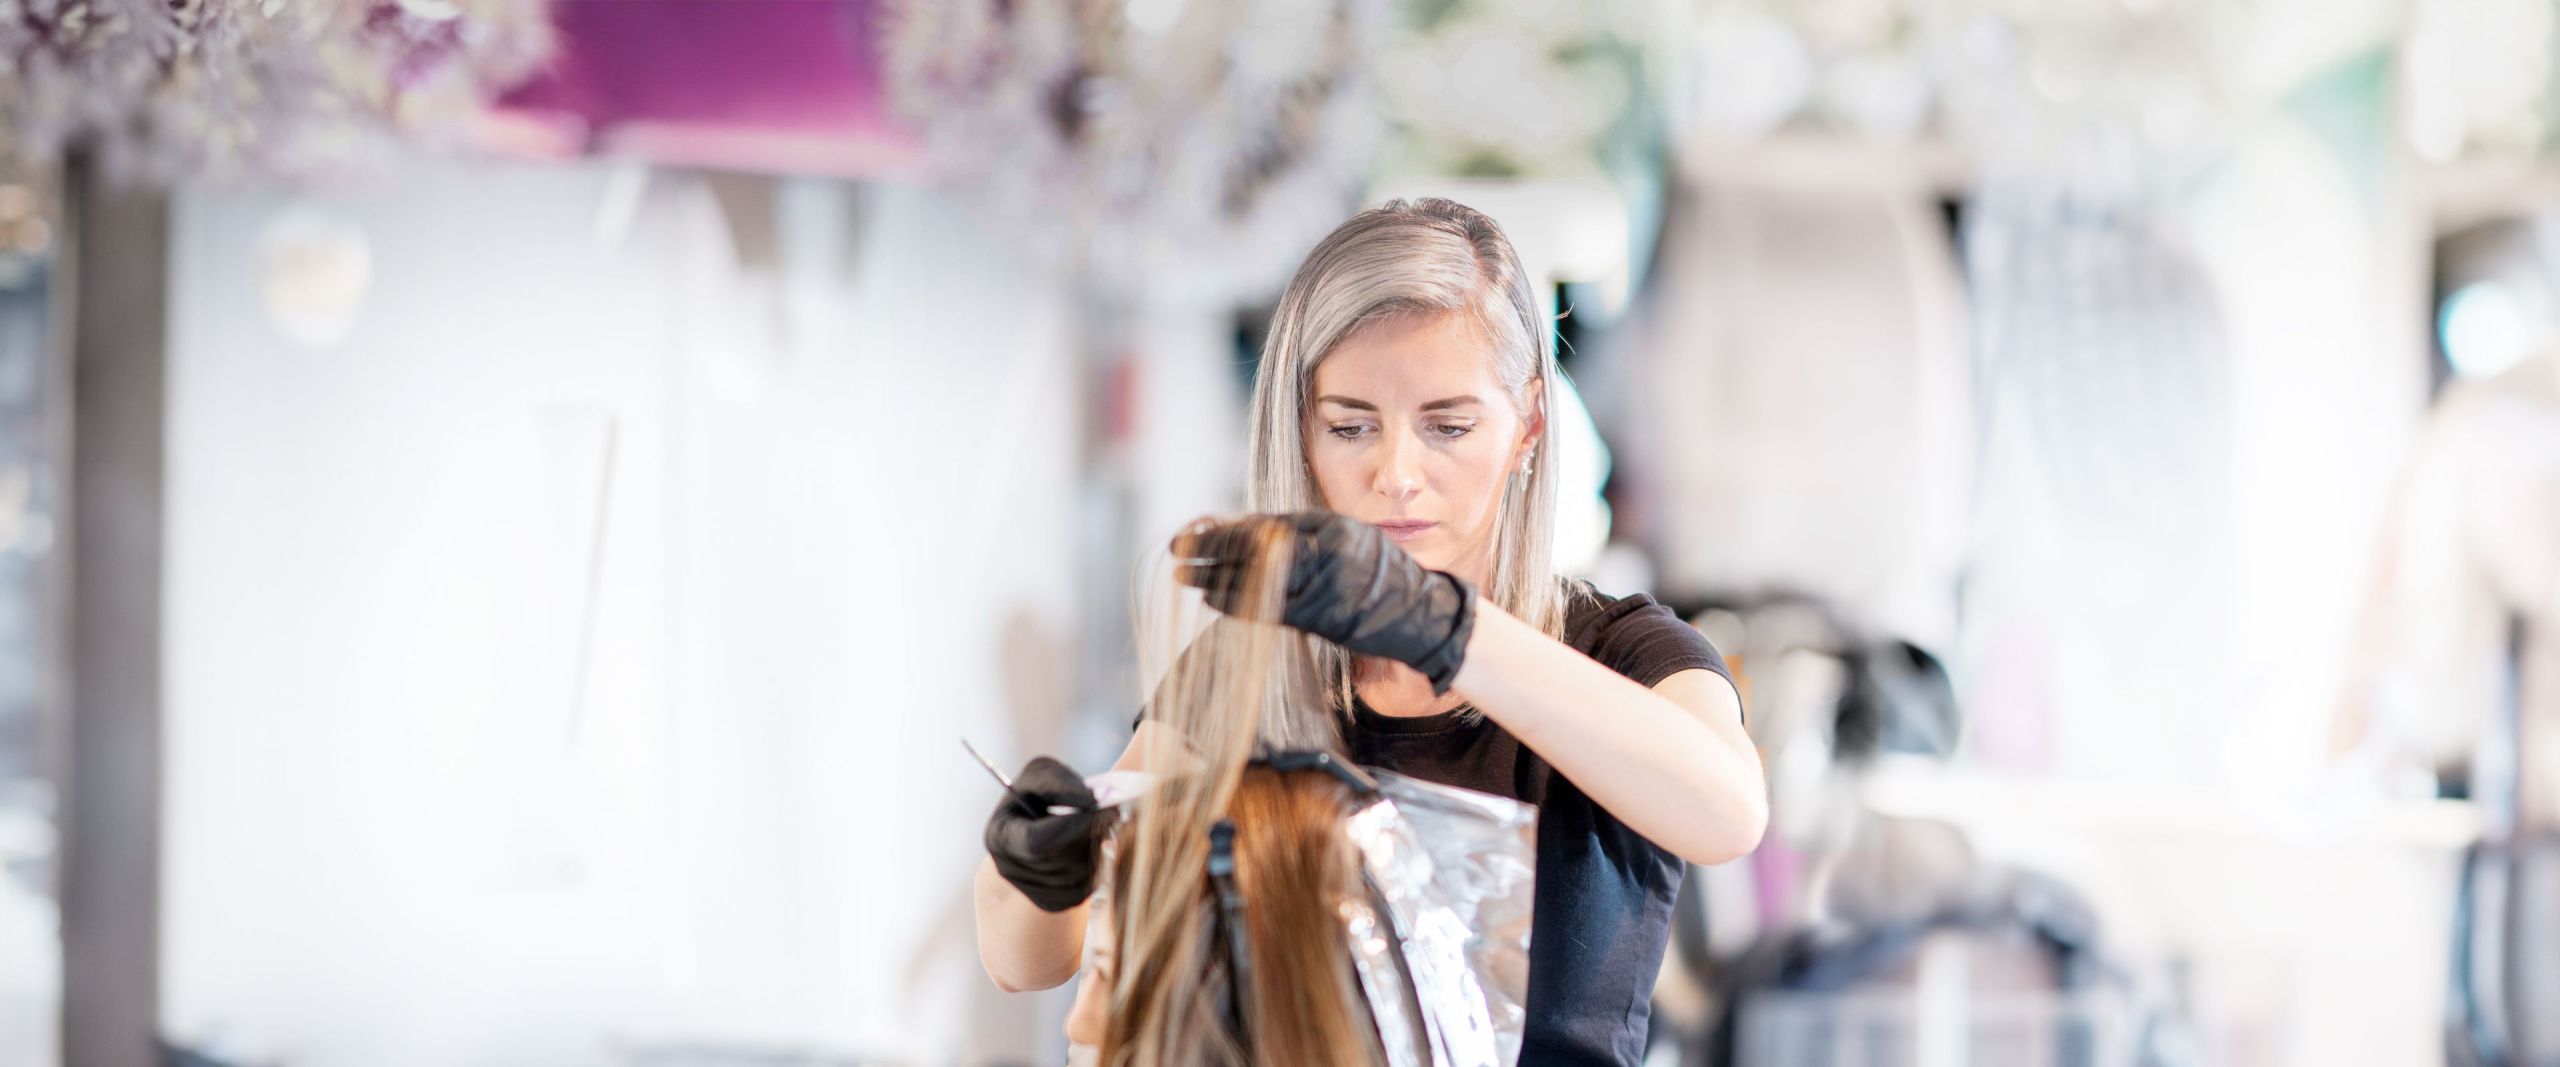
(1436, 405)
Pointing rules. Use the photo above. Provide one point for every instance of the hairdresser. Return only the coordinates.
(1400, 434)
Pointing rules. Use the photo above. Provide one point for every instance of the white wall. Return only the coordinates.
(836, 498)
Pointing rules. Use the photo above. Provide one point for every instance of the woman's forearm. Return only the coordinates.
(1023, 947)
(1682, 772)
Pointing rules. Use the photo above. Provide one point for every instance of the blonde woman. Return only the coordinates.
(1399, 434)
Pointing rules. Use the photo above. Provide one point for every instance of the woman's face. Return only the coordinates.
(1411, 431)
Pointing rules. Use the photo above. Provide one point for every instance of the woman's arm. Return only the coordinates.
(1672, 762)
(1023, 947)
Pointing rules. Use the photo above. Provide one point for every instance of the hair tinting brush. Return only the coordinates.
(1028, 808)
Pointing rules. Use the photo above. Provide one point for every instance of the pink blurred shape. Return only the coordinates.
(790, 86)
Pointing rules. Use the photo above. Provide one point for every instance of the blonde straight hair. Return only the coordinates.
(1173, 980)
(1413, 257)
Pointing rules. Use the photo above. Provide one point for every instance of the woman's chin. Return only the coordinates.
(1432, 557)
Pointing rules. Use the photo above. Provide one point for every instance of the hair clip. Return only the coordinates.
(1315, 759)
(1222, 875)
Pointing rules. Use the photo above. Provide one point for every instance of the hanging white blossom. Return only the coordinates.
(1192, 149)
(164, 89)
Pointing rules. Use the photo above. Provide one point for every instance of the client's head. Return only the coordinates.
(1161, 944)
(1160, 986)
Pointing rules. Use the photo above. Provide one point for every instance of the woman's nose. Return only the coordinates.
(1400, 470)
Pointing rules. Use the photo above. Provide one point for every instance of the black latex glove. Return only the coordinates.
(1050, 858)
(1347, 584)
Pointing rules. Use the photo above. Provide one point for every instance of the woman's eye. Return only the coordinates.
(1348, 433)
(1452, 430)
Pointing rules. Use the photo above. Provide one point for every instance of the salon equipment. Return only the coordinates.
(1007, 783)
(2504, 976)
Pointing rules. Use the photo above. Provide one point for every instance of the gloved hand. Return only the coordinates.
(1347, 584)
(1050, 858)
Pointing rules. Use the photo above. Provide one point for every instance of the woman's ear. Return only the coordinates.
(1535, 424)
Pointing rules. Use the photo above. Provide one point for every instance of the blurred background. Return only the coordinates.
(506, 505)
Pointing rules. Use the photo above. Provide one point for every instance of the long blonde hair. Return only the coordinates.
(1294, 866)
(1170, 992)
(1409, 257)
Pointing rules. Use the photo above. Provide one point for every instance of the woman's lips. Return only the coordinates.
(1401, 530)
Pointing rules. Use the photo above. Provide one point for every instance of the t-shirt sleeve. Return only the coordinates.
(1638, 637)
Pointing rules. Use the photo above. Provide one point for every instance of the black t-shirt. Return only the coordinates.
(1603, 910)
(1604, 892)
